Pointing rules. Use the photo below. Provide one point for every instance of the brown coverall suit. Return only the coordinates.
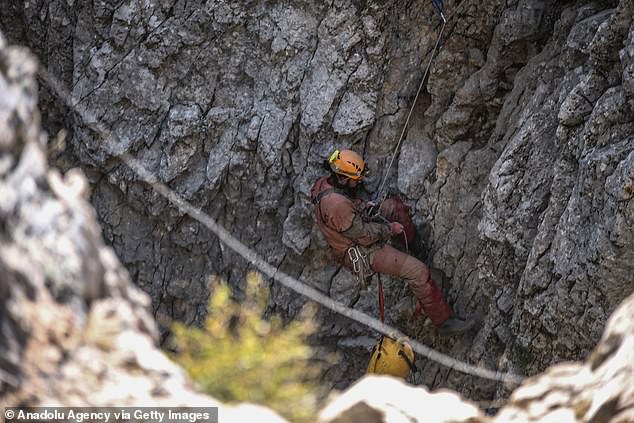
(339, 219)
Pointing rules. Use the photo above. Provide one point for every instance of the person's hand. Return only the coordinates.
(371, 209)
(396, 228)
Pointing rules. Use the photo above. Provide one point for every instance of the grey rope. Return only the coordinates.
(251, 256)
(379, 194)
(305, 290)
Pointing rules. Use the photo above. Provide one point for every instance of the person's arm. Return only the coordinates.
(368, 233)
(341, 214)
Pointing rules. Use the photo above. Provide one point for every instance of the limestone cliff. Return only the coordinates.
(599, 390)
(75, 331)
(518, 161)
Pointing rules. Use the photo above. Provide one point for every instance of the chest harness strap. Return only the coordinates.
(358, 260)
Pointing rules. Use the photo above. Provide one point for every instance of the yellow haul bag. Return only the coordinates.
(392, 357)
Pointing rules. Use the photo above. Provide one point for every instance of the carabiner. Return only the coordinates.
(353, 254)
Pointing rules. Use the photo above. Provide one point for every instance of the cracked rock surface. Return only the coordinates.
(599, 390)
(518, 161)
(76, 331)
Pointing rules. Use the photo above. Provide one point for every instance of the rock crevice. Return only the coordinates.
(517, 161)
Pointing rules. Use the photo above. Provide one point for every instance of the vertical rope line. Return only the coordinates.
(379, 194)
(263, 266)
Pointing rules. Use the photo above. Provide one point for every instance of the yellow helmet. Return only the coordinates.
(347, 163)
(392, 357)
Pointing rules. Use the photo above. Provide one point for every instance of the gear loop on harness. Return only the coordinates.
(360, 265)
(354, 255)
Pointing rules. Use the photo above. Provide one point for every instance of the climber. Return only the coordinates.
(361, 244)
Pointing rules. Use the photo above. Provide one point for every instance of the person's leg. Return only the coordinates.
(390, 261)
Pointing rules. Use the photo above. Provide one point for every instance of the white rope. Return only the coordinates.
(5, 376)
(303, 289)
(379, 192)
(252, 257)
(9, 379)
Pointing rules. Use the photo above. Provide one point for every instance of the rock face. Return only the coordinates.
(77, 332)
(599, 390)
(68, 308)
(518, 161)
(75, 329)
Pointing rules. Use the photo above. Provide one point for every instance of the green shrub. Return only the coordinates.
(240, 356)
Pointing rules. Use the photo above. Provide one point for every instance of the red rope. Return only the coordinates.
(381, 302)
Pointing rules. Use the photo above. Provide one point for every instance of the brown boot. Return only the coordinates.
(455, 326)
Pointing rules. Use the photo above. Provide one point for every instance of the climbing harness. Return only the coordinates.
(360, 264)
(389, 356)
(357, 259)
(380, 196)
(251, 256)
(325, 192)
